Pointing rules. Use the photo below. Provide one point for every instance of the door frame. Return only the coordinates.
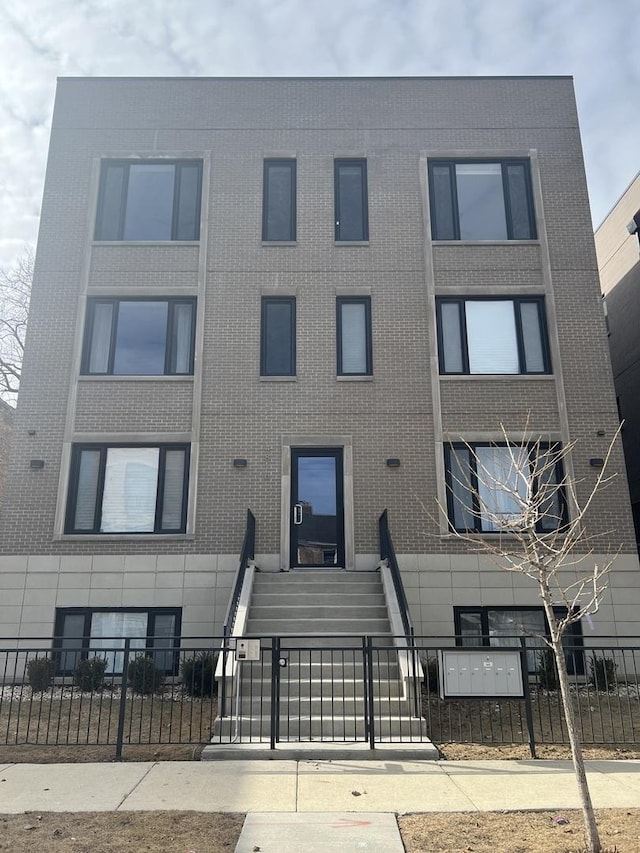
(320, 441)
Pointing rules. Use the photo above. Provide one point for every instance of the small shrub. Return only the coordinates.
(198, 674)
(602, 672)
(144, 676)
(89, 674)
(40, 672)
(546, 670)
(430, 667)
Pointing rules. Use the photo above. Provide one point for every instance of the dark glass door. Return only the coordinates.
(317, 516)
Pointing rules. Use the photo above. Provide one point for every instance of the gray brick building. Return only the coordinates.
(254, 292)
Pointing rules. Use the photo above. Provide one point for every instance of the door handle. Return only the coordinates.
(297, 513)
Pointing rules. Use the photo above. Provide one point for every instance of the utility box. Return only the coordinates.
(247, 650)
(480, 674)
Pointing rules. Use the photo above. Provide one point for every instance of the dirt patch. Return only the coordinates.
(117, 832)
(480, 752)
(517, 832)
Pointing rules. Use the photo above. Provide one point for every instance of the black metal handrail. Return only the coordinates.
(387, 552)
(247, 553)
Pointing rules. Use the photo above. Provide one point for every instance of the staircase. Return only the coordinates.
(312, 623)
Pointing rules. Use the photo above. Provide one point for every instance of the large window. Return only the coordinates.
(481, 200)
(354, 336)
(82, 632)
(503, 626)
(279, 201)
(139, 337)
(149, 200)
(487, 486)
(492, 336)
(278, 336)
(352, 218)
(128, 489)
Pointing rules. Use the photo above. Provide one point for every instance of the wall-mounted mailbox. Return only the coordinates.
(247, 650)
(478, 673)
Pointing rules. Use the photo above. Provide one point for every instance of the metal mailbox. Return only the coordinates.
(479, 673)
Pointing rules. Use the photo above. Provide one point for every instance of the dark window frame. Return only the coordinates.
(265, 301)
(87, 613)
(575, 657)
(74, 470)
(169, 352)
(354, 300)
(126, 164)
(361, 162)
(450, 449)
(503, 163)
(291, 163)
(517, 302)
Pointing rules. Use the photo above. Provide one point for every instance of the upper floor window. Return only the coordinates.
(128, 489)
(352, 218)
(481, 200)
(490, 485)
(278, 336)
(492, 336)
(139, 337)
(279, 201)
(354, 336)
(149, 200)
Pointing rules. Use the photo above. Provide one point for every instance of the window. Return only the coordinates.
(149, 200)
(278, 336)
(481, 200)
(139, 337)
(352, 219)
(492, 336)
(82, 632)
(128, 489)
(487, 484)
(354, 336)
(503, 626)
(279, 201)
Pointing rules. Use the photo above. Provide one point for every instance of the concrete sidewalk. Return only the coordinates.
(314, 786)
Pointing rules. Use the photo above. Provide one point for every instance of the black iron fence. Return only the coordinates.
(343, 689)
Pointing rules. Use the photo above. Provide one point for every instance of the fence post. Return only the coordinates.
(123, 700)
(524, 666)
(223, 685)
(369, 689)
(275, 692)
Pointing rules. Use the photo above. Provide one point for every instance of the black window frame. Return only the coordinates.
(450, 449)
(290, 163)
(126, 164)
(87, 612)
(575, 656)
(354, 300)
(264, 302)
(74, 469)
(361, 162)
(503, 163)
(169, 353)
(517, 302)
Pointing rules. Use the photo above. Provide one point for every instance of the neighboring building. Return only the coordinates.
(295, 295)
(618, 251)
(6, 421)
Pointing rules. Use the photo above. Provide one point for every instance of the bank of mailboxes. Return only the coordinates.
(479, 673)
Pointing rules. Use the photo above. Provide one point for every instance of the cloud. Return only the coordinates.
(39, 40)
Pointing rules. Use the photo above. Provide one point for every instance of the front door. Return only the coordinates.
(317, 513)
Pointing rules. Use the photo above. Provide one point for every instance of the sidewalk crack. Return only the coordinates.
(462, 791)
(139, 782)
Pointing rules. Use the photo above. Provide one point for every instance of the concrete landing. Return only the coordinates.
(322, 832)
(316, 751)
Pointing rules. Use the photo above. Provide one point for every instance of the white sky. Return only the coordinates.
(597, 41)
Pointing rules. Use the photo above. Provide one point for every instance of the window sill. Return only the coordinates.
(475, 377)
(124, 537)
(278, 378)
(116, 377)
(355, 378)
(535, 242)
(350, 242)
(269, 243)
(145, 242)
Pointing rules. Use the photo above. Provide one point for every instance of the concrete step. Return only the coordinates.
(312, 611)
(287, 598)
(339, 728)
(303, 627)
(319, 588)
(318, 688)
(311, 576)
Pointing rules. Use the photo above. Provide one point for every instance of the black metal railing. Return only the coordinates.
(387, 552)
(326, 689)
(247, 553)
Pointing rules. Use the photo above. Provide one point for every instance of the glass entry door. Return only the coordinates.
(317, 513)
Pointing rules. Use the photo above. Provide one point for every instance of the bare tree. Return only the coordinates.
(519, 491)
(15, 292)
